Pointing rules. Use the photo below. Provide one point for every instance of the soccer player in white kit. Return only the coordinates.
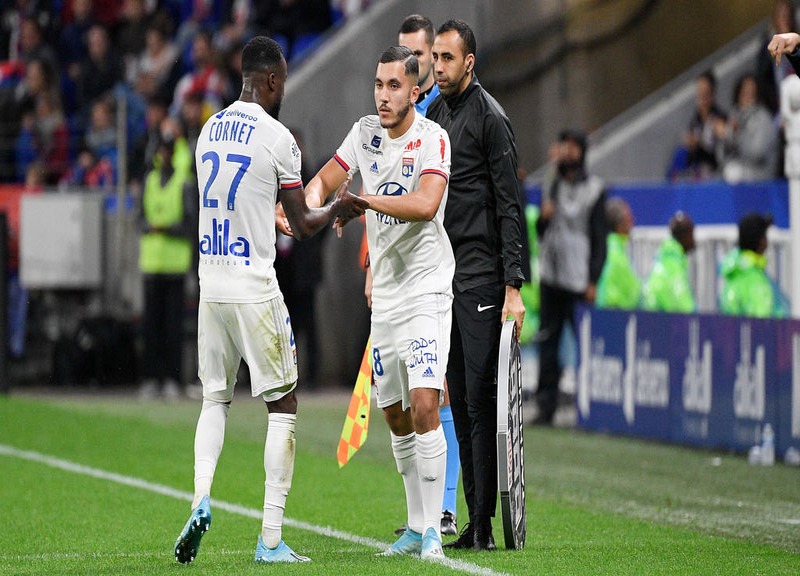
(247, 160)
(404, 161)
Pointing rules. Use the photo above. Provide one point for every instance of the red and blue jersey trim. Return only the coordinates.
(434, 171)
(341, 162)
(291, 185)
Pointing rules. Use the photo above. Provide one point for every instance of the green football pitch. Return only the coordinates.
(99, 484)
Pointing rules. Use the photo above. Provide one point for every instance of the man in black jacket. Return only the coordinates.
(483, 220)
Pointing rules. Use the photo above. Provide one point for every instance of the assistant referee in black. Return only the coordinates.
(483, 219)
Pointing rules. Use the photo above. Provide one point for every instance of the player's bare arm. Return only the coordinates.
(416, 206)
(783, 44)
(306, 221)
(329, 178)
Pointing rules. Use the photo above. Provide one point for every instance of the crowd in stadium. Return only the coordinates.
(64, 65)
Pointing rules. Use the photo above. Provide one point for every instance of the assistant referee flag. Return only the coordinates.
(356, 423)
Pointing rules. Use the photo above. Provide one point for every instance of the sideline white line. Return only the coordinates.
(53, 462)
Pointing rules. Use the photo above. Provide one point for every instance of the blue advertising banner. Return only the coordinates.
(787, 433)
(712, 202)
(697, 379)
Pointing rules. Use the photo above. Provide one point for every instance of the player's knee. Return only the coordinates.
(286, 404)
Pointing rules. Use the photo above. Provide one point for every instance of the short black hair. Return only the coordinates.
(752, 228)
(574, 135)
(464, 32)
(405, 55)
(415, 23)
(260, 54)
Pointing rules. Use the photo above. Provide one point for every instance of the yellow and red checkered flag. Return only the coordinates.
(356, 423)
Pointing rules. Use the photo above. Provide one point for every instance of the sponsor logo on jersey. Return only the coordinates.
(374, 168)
(243, 115)
(390, 189)
(408, 167)
(219, 242)
(372, 149)
(428, 373)
(376, 141)
(413, 145)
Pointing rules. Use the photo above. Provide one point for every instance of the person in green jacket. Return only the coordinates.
(747, 290)
(165, 258)
(667, 288)
(618, 287)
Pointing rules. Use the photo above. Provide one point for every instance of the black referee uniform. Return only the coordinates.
(483, 218)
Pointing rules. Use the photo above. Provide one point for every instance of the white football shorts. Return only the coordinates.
(410, 346)
(259, 333)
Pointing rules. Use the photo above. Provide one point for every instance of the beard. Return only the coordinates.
(275, 110)
(400, 117)
(573, 167)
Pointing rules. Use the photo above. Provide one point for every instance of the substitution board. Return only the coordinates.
(510, 453)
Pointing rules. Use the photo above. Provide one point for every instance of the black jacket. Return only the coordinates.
(483, 216)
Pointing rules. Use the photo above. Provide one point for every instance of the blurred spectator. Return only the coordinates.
(131, 31)
(572, 250)
(747, 143)
(32, 42)
(205, 79)
(44, 135)
(696, 158)
(101, 136)
(12, 13)
(17, 294)
(72, 42)
(232, 65)
(18, 102)
(145, 148)
(747, 290)
(95, 165)
(165, 257)
(192, 119)
(101, 70)
(667, 288)
(157, 70)
(769, 75)
(90, 171)
(618, 287)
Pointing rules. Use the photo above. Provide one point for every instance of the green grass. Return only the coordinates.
(596, 504)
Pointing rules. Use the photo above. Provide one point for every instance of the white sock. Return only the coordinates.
(279, 468)
(432, 467)
(404, 449)
(208, 438)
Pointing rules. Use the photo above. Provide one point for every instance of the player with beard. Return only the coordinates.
(246, 160)
(572, 250)
(404, 161)
(416, 33)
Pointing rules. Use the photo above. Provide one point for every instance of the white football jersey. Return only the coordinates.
(408, 259)
(243, 157)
